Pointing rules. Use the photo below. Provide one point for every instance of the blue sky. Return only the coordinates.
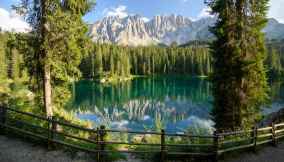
(148, 8)
(193, 9)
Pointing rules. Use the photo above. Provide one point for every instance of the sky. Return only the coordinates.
(194, 9)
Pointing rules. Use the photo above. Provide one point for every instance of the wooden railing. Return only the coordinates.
(54, 132)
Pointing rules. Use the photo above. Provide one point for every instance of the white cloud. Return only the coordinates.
(276, 10)
(205, 12)
(145, 19)
(119, 11)
(12, 22)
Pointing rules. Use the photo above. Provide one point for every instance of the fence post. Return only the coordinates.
(3, 113)
(98, 144)
(274, 140)
(102, 140)
(255, 134)
(49, 143)
(53, 129)
(220, 144)
(163, 147)
(216, 146)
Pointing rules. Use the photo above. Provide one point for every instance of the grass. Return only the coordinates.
(17, 95)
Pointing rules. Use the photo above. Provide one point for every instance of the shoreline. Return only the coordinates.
(117, 79)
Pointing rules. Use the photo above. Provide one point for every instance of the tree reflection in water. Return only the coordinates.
(174, 103)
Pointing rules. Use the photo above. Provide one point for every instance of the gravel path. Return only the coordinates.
(267, 154)
(16, 150)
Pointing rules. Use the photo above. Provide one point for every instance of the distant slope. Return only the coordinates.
(134, 31)
(274, 30)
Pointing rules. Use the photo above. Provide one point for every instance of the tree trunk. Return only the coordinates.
(46, 67)
(47, 92)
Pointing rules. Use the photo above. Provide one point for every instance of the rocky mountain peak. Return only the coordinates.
(135, 31)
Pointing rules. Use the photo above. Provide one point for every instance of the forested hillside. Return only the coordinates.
(123, 61)
(192, 59)
(3, 58)
(116, 61)
(275, 58)
(11, 60)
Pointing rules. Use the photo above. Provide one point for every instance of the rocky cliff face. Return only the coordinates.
(134, 31)
(274, 30)
(127, 31)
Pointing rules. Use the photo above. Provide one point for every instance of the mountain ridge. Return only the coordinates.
(134, 31)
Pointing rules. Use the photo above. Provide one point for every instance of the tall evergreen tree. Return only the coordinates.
(59, 31)
(98, 61)
(3, 58)
(239, 80)
(12, 58)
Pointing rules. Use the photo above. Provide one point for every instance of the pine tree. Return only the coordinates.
(12, 57)
(60, 35)
(112, 65)
(239, 79)
(274, 63)
(98, 62)
(3, 55)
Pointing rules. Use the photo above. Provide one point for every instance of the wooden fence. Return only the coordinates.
(50, 130)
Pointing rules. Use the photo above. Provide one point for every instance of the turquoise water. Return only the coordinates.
(173, 103)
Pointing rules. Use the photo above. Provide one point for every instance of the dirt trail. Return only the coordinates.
(16, 150)
(267, 154)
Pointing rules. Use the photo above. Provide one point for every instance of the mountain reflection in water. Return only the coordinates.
(173, 103)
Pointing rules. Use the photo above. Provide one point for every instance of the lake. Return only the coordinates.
(174, 103)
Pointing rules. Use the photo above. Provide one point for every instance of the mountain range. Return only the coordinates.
(135, 31)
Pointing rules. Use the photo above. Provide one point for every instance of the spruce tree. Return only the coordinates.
(60, 37)
(239, 78)
(12, 57)
(112, 65)
(98, 62)
(3, 58)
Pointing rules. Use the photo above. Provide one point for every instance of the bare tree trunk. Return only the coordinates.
(46, 67)
(47, 92)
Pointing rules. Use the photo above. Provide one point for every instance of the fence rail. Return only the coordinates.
(48, 129)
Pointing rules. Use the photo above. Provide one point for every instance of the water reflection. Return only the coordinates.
(145, 103)
(174, 103)
(277, 97)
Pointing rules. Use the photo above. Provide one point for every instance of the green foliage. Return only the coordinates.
(239, 77)
(65, 44)
(194, 59)
(58, 43)
(12, 71)
(3, 57)
(125, 61)
(11, 60)
(98, 62)
(275, 59)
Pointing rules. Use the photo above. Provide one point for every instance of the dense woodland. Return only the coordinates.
(193, 59)
(275, 58)
(153, 60)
